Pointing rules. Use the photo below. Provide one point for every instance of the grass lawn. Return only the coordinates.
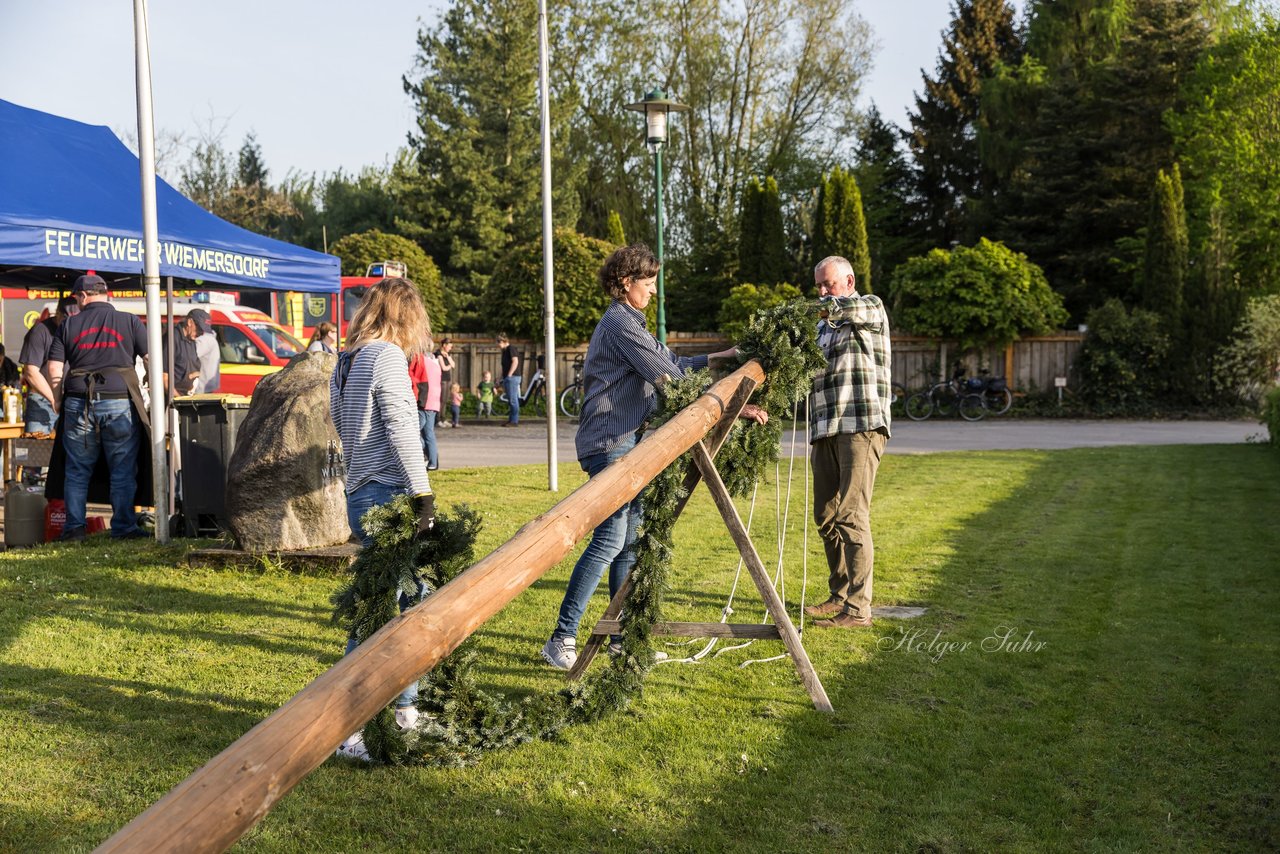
(1145, 718)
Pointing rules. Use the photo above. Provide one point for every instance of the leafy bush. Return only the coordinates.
(358, 251)
(1271, 415)
(745, 300)
(514, 294)
(1119, 364)
(981, 296)
(1251, 362)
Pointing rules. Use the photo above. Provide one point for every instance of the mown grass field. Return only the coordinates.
(1146, 719)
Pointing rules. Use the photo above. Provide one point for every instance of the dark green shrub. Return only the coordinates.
(981, 295)
(1120, 364)
(513, 297)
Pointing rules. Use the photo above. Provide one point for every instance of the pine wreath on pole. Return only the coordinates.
(460, 720)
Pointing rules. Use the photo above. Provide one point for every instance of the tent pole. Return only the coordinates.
(151, 265)
(548, 279)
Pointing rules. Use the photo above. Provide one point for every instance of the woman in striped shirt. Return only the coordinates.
(375, 410)
(624, 364)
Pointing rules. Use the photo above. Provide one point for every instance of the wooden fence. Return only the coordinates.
(1030, 365)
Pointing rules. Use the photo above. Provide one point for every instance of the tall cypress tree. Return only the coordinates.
(1165, 264)
(762, 250)
(951, 180)
(840, 227)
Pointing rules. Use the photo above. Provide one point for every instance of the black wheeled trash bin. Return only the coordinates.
(207, 426)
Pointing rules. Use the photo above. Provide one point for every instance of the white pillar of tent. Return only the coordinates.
(151, 269)
(548, 280)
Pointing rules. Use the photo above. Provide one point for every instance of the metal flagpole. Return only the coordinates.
(548, 279)
(151, 268)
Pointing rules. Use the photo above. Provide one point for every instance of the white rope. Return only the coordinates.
(727, 610)
(782, 516)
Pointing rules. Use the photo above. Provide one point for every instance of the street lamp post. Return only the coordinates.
(655, 107)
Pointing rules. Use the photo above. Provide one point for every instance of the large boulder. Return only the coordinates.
(285, 482)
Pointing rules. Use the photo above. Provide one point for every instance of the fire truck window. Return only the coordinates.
(351, 301)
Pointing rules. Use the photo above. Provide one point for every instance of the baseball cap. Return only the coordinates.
(203, 322)
(89, 284)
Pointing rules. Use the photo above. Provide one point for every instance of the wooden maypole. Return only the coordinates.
(213, 807)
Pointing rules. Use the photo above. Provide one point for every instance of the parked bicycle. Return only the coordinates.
(533, 400)
(571, 397)
(947, 398)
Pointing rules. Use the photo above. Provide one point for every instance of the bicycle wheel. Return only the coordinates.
(536, 403)
(946, 400)
(501, 409)
(972, 407)
(919, 406)
(998, 402)
(571, 401)
(897, 399)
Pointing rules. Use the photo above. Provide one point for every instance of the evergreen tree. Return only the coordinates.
(477, 186)
(1093, 135)
(762, 250)
(951, 179)
(840, 227)
(251, 170)
(1165, 264)
(884, 176)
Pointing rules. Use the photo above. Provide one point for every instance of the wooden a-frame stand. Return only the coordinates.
(782, 628)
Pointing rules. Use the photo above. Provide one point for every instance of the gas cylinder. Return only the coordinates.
(23, 516)
(55, 519)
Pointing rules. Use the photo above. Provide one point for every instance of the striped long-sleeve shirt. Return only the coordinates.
(852, 394)
(623, 364)
(377, 419)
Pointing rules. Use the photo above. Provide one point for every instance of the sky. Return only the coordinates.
(316, 82)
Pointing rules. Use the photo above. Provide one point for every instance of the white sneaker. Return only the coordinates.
(615, 649)
(353, 748)
(561, 653)
(406, 717)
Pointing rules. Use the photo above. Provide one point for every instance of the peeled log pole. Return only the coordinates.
(213, 807)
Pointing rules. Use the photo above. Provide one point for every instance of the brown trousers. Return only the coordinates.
(844, 473)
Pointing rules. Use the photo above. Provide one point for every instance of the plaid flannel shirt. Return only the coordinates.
(852, 395)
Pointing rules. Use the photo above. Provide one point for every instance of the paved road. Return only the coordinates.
(481, 444)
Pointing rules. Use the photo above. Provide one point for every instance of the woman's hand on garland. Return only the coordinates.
(425, 507)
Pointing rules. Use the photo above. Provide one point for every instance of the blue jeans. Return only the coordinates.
(512, 386)
(427, 427)
(109, 430)
(358, 503)
(456, 410)
(610, 547)
(39, 415)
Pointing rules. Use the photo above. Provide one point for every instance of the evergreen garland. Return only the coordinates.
(460, 720)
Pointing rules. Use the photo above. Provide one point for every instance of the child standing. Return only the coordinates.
(484, 391)
(455, 403)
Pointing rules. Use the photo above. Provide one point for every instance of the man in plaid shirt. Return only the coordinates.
(849, 425)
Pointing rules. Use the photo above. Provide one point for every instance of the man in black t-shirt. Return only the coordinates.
(98, 348)
(40, 413)
(510, 378)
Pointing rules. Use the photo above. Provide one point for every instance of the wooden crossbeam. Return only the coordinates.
(754, 631)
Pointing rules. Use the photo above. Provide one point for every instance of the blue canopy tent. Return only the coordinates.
(70, 199)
